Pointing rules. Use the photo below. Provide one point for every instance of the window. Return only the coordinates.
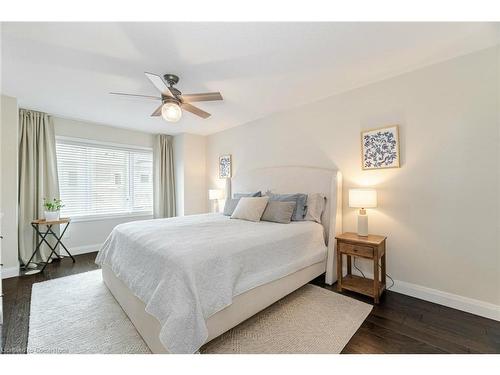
(97, 179)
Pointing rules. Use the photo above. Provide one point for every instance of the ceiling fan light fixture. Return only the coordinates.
(171, 112)
(172, 99)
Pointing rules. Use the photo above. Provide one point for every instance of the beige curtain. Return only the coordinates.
(37, 177)
(164, 180)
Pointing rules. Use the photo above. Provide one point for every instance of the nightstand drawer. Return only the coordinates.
(362, 251)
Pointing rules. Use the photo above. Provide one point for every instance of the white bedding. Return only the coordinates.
(186, 269)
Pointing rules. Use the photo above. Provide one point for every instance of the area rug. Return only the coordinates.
(77, 314)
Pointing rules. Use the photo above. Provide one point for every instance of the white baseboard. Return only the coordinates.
(77, 250)
(470, 305)
(10, 272)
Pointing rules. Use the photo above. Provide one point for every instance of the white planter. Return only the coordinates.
(51, 215)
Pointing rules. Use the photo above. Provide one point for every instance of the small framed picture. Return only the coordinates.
(225, 166)
(380, 148)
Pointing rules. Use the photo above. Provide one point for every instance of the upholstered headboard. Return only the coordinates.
(296, 179)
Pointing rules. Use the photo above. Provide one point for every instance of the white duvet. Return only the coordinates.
(186, 269)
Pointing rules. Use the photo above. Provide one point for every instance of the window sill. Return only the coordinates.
(142, 215)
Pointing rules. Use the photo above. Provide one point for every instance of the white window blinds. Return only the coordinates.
(99, 180)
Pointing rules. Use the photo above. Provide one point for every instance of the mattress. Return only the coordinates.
(185, 269)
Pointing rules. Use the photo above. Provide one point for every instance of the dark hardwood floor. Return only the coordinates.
(399, 324)
(17, 298)
(402, 324)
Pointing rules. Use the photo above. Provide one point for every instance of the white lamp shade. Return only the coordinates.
(214, 194)
(362, 198)
(171, 112)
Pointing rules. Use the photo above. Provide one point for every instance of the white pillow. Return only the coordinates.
(250, 208)
(315, 206)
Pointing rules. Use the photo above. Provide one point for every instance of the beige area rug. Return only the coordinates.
(77, 314)
(310, 320)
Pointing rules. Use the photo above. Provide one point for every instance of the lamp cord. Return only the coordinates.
(354, 264)
(362, 274)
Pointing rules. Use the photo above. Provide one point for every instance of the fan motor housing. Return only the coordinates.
(172, 79)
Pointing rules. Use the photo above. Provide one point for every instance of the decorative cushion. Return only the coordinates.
(229, 206)
(241, 195)
(250, 208)
(279, 212)
(316, 204)
(300, 199)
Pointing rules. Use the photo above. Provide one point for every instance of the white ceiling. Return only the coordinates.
(67, 69)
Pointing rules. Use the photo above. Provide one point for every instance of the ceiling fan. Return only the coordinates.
(172, 100)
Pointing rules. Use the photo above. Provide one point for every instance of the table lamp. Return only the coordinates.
(215, 195)
(362, 199)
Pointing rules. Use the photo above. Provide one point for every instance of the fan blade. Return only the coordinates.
(195, 110)
(159, 84)
(157, 111)
(204, 97)
(136, 95)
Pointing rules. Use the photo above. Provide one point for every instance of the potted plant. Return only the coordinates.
(52, 209)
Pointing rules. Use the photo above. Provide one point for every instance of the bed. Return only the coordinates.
(222, 271)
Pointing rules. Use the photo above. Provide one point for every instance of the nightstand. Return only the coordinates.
(370, 247)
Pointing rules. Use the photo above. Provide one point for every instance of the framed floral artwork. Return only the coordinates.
(225, 166)
(380, 148)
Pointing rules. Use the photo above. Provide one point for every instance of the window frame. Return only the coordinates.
(117, 146)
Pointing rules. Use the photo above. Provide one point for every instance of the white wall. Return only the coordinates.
(195, 184)
(100, 132)
(8, 184)
(439, 210)
(85, 236)
(190, 174)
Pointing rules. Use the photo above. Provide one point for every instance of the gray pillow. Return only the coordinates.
(279, 212)
(230, 206)
(315, 206)
(300, 199)
(241, 195)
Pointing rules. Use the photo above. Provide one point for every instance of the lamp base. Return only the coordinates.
(215, 206)
(363, 225)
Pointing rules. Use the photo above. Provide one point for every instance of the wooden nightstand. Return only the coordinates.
(370, 247)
